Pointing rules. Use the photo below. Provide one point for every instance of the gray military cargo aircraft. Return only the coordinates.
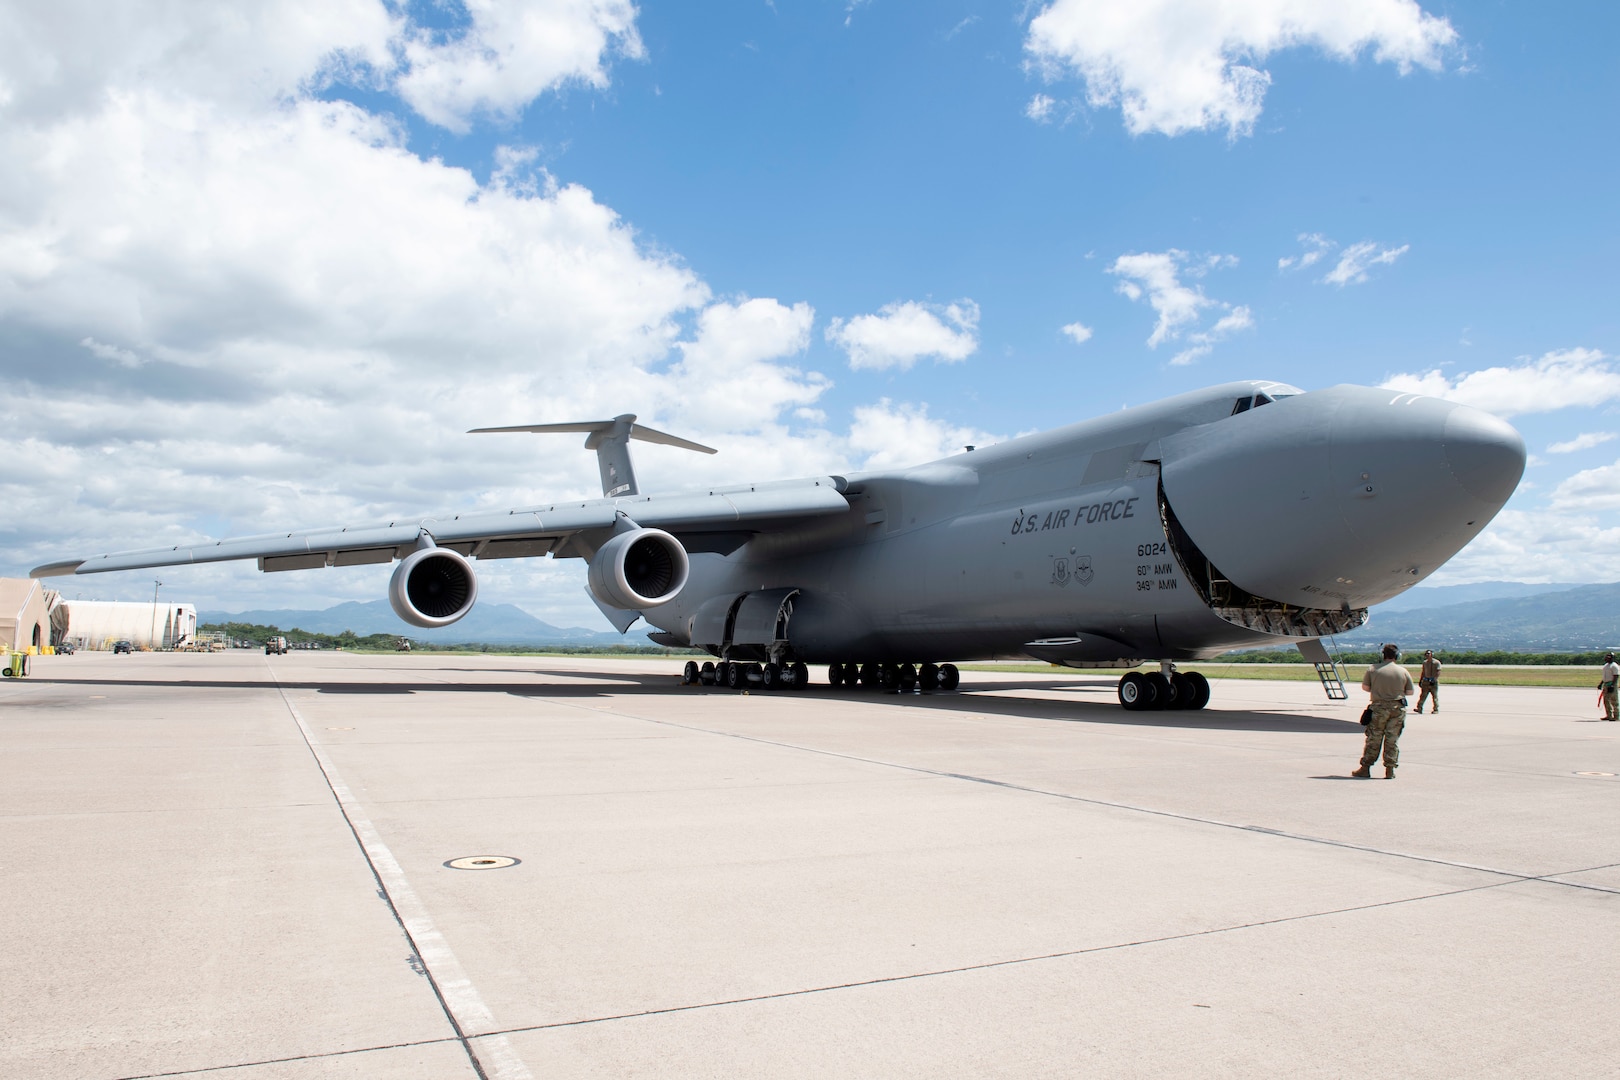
(1248, 514)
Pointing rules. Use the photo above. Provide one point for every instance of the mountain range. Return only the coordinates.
(1484, 615)
(1552, 618)
(486, 624)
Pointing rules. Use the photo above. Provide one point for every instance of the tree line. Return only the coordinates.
(1494, 658)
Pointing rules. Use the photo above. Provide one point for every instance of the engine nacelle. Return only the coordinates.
(638, 569)
(433, 587)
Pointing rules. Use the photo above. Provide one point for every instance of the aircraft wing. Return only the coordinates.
(721, 519)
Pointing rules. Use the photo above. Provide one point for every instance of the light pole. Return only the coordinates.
(156, 585)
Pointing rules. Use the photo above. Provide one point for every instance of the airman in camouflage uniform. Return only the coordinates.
(1607, 692)
(1428, 683)
(1388, 685)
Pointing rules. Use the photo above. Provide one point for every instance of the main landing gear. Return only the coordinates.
(1166, 688)
(741, 676)
(893, 678)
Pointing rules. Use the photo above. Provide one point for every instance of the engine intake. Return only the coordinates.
(640, 568)
(433, 587)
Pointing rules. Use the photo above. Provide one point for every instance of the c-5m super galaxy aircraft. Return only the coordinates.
(1248, 514)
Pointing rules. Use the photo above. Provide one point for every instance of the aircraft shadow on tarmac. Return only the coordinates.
(977, 698)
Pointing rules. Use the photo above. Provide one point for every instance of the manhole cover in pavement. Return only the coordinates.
(1594, 774)
(483, 862)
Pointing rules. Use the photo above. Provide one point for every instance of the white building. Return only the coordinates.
(96, 624)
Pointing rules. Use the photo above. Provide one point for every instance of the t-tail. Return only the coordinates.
(611, 441)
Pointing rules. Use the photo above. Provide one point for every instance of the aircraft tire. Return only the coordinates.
(1164, 693)
(801, 677)
(1183, 691)
(949, 677)
(706, 674)
(1136, 693)
(889, 676)
(928, 677)
(870, 676)
(770, 677)
(734, 676)
(906, 677)
(1200, 690)
(689, 674)
(835, 674)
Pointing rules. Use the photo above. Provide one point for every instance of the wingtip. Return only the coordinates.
(56, 569)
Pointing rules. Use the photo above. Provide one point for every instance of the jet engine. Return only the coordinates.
(639, 568)
(433, 587)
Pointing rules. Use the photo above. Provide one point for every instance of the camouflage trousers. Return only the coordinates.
(1427, 691)
(1384, 732)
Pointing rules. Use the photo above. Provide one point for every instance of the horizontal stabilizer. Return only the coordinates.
(611, 441)
(637, 431)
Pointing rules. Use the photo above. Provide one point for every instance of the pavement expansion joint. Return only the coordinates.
(991, 965)
(204, 1070)
(1111, 804)
(458, 999)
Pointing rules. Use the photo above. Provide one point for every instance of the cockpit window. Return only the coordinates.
(1261, 399)
(1241, 406)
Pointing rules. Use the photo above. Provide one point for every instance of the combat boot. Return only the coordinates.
(1389, 772)
(1364, 772)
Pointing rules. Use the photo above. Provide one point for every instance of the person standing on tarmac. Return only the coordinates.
(1387, 684)
(1606, 688)
(1428, 683)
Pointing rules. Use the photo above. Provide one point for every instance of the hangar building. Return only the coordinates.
(96, 624)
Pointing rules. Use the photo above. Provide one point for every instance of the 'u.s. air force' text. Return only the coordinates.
(1090, 514)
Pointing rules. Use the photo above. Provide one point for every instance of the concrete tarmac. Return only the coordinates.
(235, 866)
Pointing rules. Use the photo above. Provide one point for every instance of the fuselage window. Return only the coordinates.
(1241, 406)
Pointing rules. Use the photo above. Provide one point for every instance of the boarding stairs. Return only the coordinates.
(1329, 669)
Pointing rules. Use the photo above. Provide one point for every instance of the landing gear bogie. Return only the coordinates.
(795, 675)
(1140, 691)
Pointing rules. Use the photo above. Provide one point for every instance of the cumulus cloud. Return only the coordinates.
(230, 306)
(1558, 380)
(1040, 108)
(1156, 277)
(902, 333)
(1545, 544)
(1079, 333)
(510, 53)
(739, 345)
(59, 58)
(1589, 489)
(887, 435)
(1581, 442)
(1316, 247)
(1174, 66)
(1357, 259)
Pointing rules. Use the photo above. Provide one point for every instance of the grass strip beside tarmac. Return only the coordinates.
(1453, 675)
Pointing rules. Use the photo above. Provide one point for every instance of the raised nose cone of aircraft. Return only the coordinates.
(1485, 453)
(1339, 497)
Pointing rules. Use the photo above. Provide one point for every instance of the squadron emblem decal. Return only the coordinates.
(1060, 571)
(1082, 570)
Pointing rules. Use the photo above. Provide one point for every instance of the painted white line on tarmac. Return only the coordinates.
(467, 1009)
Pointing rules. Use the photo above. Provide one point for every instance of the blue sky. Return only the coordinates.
(262, 275)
